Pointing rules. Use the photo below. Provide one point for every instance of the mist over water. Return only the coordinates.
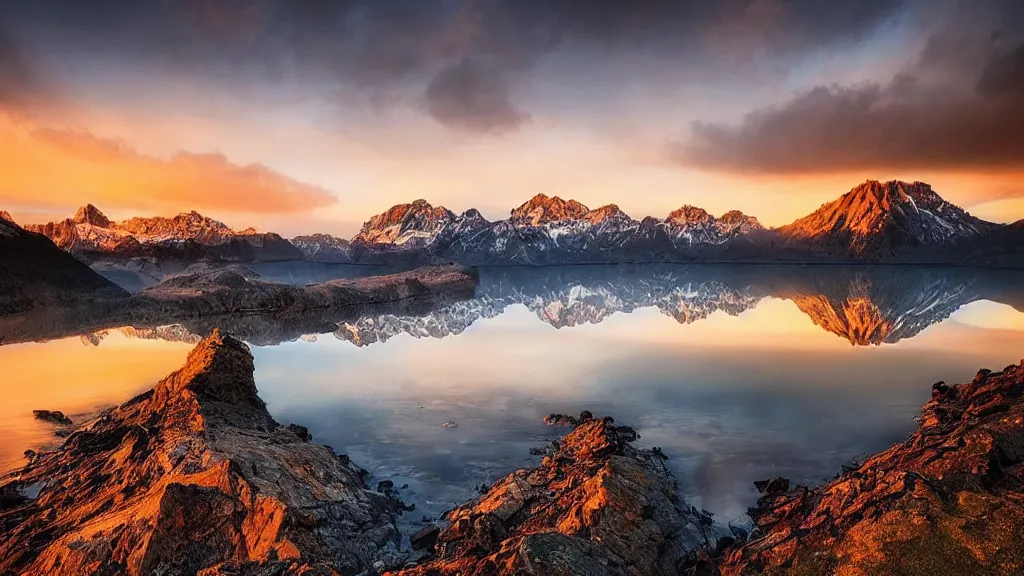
(738, 373)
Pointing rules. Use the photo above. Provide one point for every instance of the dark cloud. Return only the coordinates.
(1004, 75)
(386, 48)
(958, 107)
(472, 96)
(18, 84)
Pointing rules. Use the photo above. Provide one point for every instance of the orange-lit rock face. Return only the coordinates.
(405, 222)
(193, 475)
(878, 219)
(91, 231)
(690, 215)
(90, 214)
(948, 500)
(542, 209)
(609, 212)
(735, 221)
(596, 505)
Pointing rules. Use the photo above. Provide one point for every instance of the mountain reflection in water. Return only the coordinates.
(736, 372)
(866, 305)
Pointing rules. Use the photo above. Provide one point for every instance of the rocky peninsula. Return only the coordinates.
(192, 477)
(235, 297)
(196, 477)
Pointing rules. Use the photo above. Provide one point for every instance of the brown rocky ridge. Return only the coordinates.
(949, 500)
(596, 505)
(194, 477)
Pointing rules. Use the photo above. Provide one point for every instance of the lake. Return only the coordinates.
(738, 373)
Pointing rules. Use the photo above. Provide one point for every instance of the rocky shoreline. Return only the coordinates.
(947, 500)
(196, 477)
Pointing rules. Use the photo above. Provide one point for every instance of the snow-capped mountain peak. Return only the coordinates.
(415, 222)
(605, 213)
(542, 209)
(877, 220)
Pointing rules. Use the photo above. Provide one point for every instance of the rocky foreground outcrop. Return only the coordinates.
(596, 505)
(192, 477)
(949, 500)
(195, 477)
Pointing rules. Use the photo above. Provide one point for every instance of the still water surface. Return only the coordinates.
(737, 375)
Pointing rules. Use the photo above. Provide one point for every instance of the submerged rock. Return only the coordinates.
(948, 500)
(598, 505)
(52, 417)
(192, 477)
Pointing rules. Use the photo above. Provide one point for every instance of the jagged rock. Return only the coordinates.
(425, 538)
(949, 500)
(91, 215)
(52, 417)
(596, 506)
(192, 477)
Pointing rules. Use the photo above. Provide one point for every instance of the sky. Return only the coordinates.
(302, 116)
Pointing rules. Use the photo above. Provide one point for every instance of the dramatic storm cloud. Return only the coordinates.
(457, 54)
(312, 115)
(958, 107)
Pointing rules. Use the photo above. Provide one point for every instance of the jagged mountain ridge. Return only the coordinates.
(188, 235)
(874, 222)
(544, 230)
(877, 221)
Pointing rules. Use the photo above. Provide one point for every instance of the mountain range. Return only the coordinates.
(876, 222)
(191, 236)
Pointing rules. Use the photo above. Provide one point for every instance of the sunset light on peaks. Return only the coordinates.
(506, 287)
